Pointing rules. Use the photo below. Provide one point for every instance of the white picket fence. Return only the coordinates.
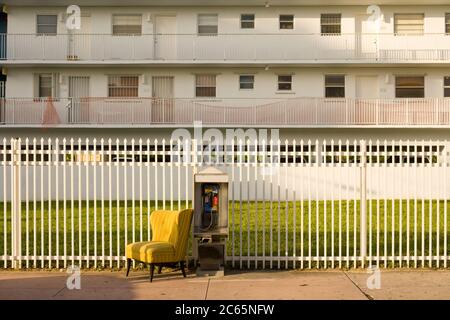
(292, 204)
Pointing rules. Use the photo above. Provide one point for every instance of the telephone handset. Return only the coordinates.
(210, 206)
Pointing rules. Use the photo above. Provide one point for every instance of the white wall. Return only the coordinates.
(307, 19)
(307, 82)
(299, 182)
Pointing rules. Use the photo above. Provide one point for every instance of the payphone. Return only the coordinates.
(210, 220)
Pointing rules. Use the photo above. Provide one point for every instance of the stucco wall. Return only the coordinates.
(307, 82)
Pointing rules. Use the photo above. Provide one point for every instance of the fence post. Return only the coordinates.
(15, 204)
(193, 156)
(363, 203)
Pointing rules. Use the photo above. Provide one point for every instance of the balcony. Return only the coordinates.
(224, 48)
(295, 112)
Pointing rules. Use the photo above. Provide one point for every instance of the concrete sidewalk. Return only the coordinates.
(236, 285)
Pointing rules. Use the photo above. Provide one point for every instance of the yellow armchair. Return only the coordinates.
(170, 235)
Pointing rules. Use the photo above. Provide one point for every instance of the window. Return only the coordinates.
(123, 86)
(409, 87)
(284, 82)
(447, 23)
(247, 21)
(330, 23)
(334, 86)
(47, 24)
(205, 85)
(287, 21)
(127, 24)
(246, 81)
(410, 23)
(46, 85)
(447, 87)
(207, 24)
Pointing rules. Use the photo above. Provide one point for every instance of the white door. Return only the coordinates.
(163, 104)
(367, 87)
(365, 37)
(165, 37)
(79, 91)
(80, 41)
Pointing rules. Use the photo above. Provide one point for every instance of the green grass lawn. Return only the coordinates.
(256, 228)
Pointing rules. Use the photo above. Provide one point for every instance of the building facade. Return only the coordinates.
(312, 69)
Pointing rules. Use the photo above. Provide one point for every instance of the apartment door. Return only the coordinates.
(3, 31)
(79, 91)
(365, 37)
(366, 103)
(163, 103)
(80, 41)
(165, 37)
(367, 87)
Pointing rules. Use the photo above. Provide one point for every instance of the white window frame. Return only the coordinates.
(198, 24)
(330, 24)
(333, 86)
(290, 82)
(37, 24)
(252, 82)
(396, 15)
(123, 15)
(123, 86)
(446, 86)
(54, 84)
(410, 87)
(204, 86)
(241, 21)
(279, 21)
(447, 23)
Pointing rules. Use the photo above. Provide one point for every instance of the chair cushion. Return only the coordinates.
(151, 251)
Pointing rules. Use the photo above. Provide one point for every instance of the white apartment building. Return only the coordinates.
(313, 69)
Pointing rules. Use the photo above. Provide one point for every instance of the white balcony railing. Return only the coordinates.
(337, 112)
(226, 47)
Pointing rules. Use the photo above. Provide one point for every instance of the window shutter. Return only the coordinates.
(36, 85)
(409, 23)
(207, 19)
(409, 87)
(127, 24)
(205, 85)
(206, 80)
(207, 24)
(330, 23)
(447, 23)
(47, 24)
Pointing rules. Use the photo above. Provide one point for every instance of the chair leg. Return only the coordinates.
(128, 266)
(152, 270)
(182, 268)
(160, 269)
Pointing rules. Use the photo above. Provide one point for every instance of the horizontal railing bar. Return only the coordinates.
(258, 258)
(229, 34)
